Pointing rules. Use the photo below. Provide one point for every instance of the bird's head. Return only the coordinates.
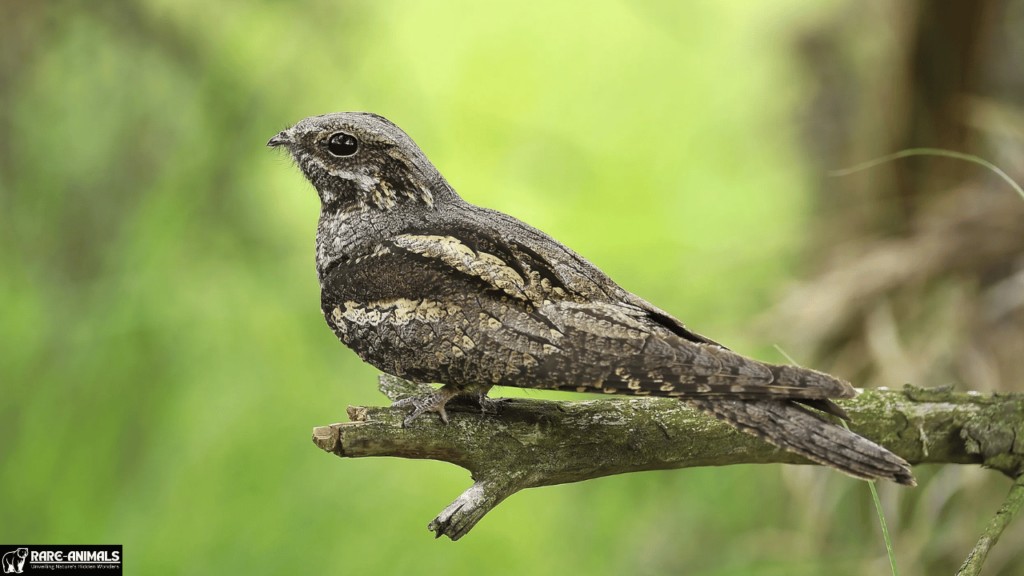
(358, 159)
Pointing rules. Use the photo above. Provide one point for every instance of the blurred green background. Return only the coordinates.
(162, 354)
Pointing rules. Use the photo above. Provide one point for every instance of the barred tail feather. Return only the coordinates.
(798, 430)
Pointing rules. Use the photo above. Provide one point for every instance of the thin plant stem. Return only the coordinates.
(881, 520)
(871, 485)
(929, 152)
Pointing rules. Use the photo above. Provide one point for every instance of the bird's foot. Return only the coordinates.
(433, 402)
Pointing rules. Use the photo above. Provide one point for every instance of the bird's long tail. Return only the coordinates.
(794, 428)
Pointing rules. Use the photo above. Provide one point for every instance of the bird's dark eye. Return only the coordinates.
(342, 144)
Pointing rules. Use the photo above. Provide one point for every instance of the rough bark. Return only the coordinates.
(526, 443)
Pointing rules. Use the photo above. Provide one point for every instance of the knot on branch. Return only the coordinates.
(997, 435)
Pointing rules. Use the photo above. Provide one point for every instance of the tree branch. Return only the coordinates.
(526, 443)
(1012, 505)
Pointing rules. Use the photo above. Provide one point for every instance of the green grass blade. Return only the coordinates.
(930, 152)
(881, 520)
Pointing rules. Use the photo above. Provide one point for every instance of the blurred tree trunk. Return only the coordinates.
(946, 55)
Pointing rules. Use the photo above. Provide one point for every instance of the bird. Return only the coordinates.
(430, 288)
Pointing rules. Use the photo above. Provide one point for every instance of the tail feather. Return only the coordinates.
(794, 428)
(713, 371)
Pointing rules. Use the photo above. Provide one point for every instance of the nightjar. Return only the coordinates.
(428, 287)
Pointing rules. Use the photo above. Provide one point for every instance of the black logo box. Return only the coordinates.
(62, 559)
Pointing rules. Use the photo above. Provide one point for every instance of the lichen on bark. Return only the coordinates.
(517, 443)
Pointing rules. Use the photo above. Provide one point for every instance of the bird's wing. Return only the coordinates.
(460, 306)
(574, 272)
(613, 349)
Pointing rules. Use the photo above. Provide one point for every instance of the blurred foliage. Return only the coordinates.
(162, 354)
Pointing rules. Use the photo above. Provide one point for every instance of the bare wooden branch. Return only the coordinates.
(526, 443)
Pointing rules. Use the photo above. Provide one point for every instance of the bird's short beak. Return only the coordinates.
(282, 139)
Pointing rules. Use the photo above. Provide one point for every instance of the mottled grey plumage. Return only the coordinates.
(428, 287)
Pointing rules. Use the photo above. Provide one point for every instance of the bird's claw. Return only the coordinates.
(434, 402)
